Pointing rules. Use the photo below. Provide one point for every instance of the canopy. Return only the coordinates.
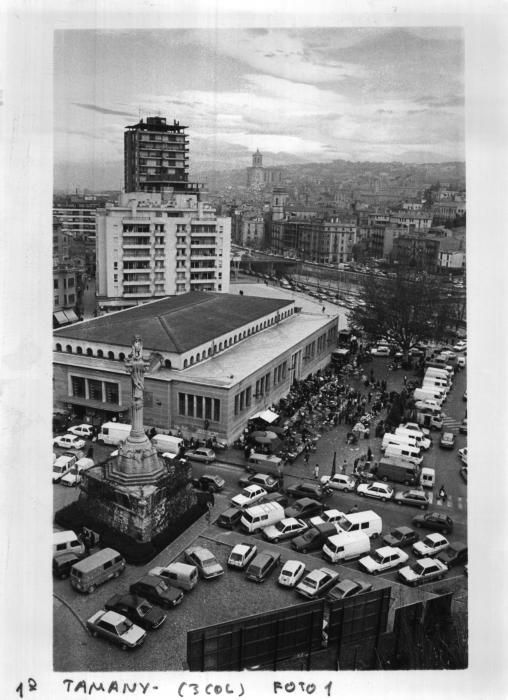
(266, 415)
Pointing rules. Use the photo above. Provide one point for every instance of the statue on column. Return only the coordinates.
(137, 365)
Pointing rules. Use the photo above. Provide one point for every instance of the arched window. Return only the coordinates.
(111, 355)
(191, 361)
(167, 364)
(100, 353)
(79, 350)
(235, 338)
(209, 351)
(121, 357)
(58, 347)
(68, 348)
(89, 352)
(198, 357)
(185, 364)
(220, 347)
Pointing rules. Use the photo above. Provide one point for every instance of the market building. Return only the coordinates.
(223, 359)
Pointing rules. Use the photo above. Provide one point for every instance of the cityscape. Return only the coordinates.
(260, 352)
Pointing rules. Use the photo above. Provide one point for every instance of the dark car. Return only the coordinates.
(304, 508)
(305, 488)
(262, 565)
(229, 519)
(157, 591)
(454, 554)
(209, 482)
(268, 482)
(63, 563)
(314, 538)
(438, 522)
(400, 537)
(276, 497)
(137, 609)
(347, 588)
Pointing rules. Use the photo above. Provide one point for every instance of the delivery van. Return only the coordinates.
(259, 516)
(67, 542)
(96, 569)
(167, 443)
(398, 439)
(177, 574)
(346, 545)
(429, 417)
(266, 464)
(407, 452)
(420, 439)
(428, 477)
(428, 394)
(399, 470)
(365, 521)
(441, 373)
(113, 433)
(436, 382)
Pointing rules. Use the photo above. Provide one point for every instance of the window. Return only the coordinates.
(111, 392)
(181, 404)
(89, 352)
(55, 284)
(100, 353)
(68, 348)
(190, 405)
(121, 357)
(167, 364)
(199, 407)
(111, 355)
(95, 389)
(79, 350)
(208, 408)
(58, 347)
(78, 386)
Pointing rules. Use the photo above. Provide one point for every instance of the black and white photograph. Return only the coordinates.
(260, 291)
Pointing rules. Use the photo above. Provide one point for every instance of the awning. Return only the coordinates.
(71, 316)
(60, 317)
(267, 415)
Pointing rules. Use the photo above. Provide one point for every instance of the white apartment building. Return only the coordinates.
(156, 244)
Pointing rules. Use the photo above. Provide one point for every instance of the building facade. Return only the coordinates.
(152, 245)
(318, 240)
(223, 358)
(259, 176)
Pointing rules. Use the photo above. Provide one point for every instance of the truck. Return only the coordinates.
(113, 433)
(429, 418)
(400, 470)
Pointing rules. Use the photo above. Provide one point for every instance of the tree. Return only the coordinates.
(406, 309)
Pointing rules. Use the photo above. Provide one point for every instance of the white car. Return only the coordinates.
(241, 555)
(62, 466)
(69, 441)
(291, 573)
(248, 496)
(328, 516)
(375, 490)
(84, 430)
(284, 529)
(73, 477)
(381, 351)
(417, 427)
(463, 455)
(426, 569)
(461, 346)
(430, 545)
(339, 482)
(383, 559)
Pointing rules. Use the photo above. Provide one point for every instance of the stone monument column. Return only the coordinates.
(137, 365)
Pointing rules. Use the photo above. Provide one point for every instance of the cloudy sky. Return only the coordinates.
(296, 94)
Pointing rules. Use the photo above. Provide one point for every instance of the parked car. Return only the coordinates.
(284, 529)
(314, 538)
(267, 481)
(304, 488)
(201, 454)
(69, 442)
(400, 537)
(463, 473)
(347, 588)
(412, 497)
(438, 522)
(291, 572)
(454, 554)
(137, 609)
(339, 482)
(276, 497)
(83, 431)
(62, 466)
(317, 582)
(63, 563)
(209, 482)
(327, 516)
(304, 508)
(204, 561)
(463, 427)
(430, 545)
(230, 518)
(157, 591)
(423, 571)
(241, 555)
(116, 628)
(460, 346)
(73, 476)
(248, 496)
(463, 455)
(381, 351)
(262, 565)
(383, 559)
(447, 441)
(376, 490)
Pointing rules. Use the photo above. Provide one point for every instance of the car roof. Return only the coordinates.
(434, 536)
(385, 551)
(290, 521)
(305, 501)
(112, 617)
(403, 529)
(292, 564)
(199, 551)
(241, 547)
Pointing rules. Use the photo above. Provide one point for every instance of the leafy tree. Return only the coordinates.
(406, 309)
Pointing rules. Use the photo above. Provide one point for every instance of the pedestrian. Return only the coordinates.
(442, 493)
(344, 466)
(323, 309)
(369, 454)
(316, 471)
(405, 380)
(209, 513)
(211, 497)
(306, 457)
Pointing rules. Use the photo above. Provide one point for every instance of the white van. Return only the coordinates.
(428, 477)
(266, 464)
(365, 521)
(441, 373)
(436, 382)
(113, 433)
(407, 452)
(62, 466)
(259, 516)
(184, 576)
(420, 439)
(73, 477)
(67, 541)
(167, 443)
(428, 393)
(398, 439)
(346, 545)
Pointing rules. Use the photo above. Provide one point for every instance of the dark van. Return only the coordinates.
(261, 566)
(314, 538)
(229, 519)
(63, 563)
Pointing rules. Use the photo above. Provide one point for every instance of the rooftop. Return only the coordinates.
(175, 324)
